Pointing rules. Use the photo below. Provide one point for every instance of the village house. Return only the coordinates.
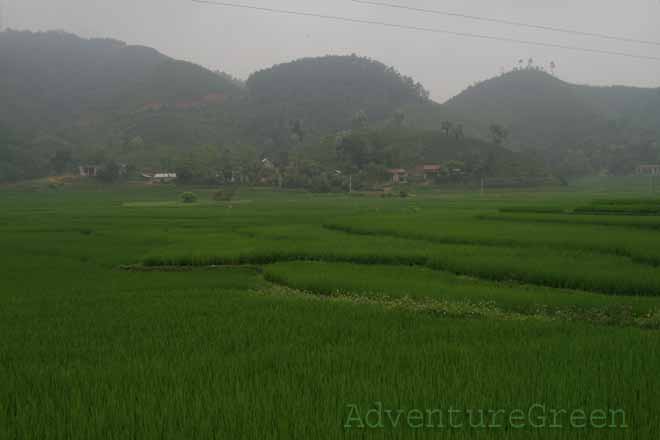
(153, 106)
(648, 170)
(160, 177)
(164, 177)
(268, 173)
(89, 170)
(428, 172)
(267, 164)
(399, 175)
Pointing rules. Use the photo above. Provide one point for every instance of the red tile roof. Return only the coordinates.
(431, 168)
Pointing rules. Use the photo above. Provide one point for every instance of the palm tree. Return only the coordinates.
(447, 127)
(498, 134)
(458, 131)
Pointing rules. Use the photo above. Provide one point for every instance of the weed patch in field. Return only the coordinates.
(464, 293)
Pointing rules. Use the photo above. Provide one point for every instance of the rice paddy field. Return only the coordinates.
(125, 313)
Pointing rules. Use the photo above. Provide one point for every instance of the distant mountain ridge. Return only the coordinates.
(55, 79)
(58, 82)
(102, 98)
(542, 111)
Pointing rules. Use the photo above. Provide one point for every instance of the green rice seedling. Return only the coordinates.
(640, 245)
(638, 206)
(422, 283)
(627, 221)
(91, 350)
(553, 267)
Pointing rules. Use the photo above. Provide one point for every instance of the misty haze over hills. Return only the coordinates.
(100, 100)
(329, 220)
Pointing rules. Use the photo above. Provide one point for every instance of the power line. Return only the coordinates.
(508, 22)
(425, 29)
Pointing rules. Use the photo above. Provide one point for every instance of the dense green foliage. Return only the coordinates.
(17, 161)
(327, 92)
(464, 159)
(188, 197)
(53, 80)
(541, 110)
(579, 130)
(98, 100)
(102, 100)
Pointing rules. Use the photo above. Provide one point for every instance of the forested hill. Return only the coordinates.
(542, 111)
(55, 80)
(327, 92)
(103, 91)
(100, 100)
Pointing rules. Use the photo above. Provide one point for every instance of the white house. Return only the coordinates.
(160, 177)
(164, 177)
(649, 170)
(89, 170)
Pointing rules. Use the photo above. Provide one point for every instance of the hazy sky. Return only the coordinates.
(241, 41)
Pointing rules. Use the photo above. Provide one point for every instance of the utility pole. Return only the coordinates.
(652, 183)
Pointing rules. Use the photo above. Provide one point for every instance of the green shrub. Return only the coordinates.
(188, 197)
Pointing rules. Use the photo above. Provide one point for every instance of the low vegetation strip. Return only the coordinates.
(635, 207)
(615, 210)
(535, 210)
(650, 223)
(431, 306)
(570, 269)
(628, 207)
(461, 296)
(638, 245)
